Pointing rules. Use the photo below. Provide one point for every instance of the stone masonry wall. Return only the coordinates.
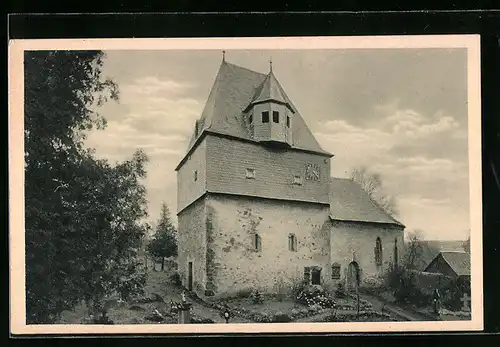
(232, 262)
(192, 244)
(356, 241)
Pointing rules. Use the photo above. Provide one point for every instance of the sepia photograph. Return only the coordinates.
(250, 185)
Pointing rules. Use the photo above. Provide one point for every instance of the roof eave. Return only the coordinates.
(333, 218)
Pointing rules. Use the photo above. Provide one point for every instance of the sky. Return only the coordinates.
(399, 112)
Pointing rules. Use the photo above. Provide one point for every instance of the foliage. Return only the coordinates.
(417, 251)
(315, 295)
(244, 293)
(175, 279)
(340, 292)
(82, 215)
(164, 242)
(280, 317)
(257, 297)
(403, 283)
(372, 183)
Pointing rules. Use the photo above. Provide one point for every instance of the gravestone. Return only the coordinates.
(465, 302)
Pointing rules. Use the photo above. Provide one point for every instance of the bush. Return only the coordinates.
(340, 292)
(257, 297)
(175, 279)
(244, 293)
(315, 295)
(280, 317)
(404, 285)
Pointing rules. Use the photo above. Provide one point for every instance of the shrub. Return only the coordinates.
(280, 317)
(244, 293)
(175, 279)
(315, 295)
(340, 292)
(257, 297)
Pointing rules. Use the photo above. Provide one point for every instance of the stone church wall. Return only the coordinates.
(356, 241)
(192, 244)
(232, 260)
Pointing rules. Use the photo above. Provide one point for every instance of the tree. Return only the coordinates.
(164, 242)
(82, 215)
(418, 252)
(372, 183)
(466, 245)
(414, 250)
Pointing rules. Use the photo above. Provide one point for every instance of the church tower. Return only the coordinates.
(253, 189)
(270, 114)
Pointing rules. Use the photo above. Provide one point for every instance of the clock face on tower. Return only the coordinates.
(312, 172)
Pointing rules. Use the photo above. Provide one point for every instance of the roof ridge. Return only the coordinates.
(243, 68)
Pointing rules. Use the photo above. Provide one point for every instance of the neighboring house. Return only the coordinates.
(453, 264)
(257, 207)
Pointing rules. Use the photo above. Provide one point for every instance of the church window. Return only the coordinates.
(288, 121)
(335, 271)
(312, 275)
(265, 117)
(256, 242)
(297, 179)
(250, 173)
(378, 252)
(292, 243)
(196, 175)
(250, 119)
(276, 117)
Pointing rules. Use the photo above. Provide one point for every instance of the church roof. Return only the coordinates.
(349, 202)
(459, 262)
(270, 89)
(234, 89)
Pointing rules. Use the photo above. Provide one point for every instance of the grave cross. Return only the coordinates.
(465, 301)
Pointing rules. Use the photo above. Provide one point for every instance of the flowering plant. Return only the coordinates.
(315, 295)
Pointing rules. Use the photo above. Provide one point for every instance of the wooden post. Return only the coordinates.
(184, 315)
(357, 294)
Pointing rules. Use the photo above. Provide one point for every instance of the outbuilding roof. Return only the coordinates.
(459, 262)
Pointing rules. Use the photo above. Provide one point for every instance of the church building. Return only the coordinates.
(257, 206)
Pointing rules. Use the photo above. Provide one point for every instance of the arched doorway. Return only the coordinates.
(353, 278)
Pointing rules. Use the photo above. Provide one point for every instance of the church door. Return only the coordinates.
(190, 276)
(353, 277)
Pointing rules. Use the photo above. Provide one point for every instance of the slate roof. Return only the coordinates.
(270, 89)
(234, 89)
(458, 261)
(349, 202)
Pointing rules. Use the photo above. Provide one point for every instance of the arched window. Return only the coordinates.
(256, 242)
(292, 242)
(378, 252)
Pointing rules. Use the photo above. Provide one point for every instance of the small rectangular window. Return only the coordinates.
(196, 175)
(250, 119)
(297, 180)
(335, 271)
(250, 173)
(276, 117)
(265, 117)
(288, 121)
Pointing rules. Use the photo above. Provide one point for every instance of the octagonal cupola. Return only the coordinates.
(270, 114)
